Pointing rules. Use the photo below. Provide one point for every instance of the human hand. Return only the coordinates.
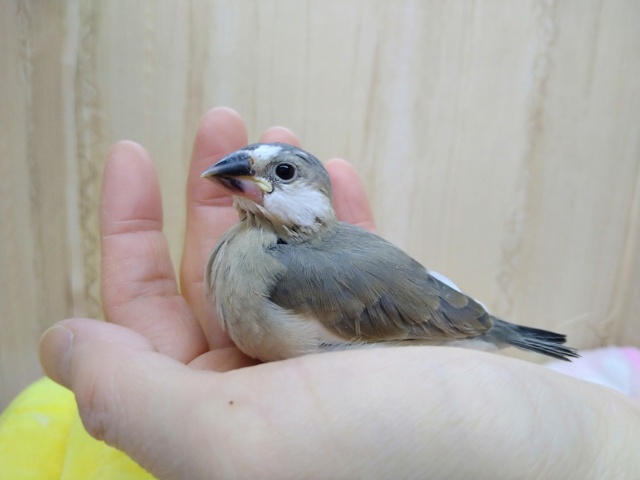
(147, 383)
(135, 257)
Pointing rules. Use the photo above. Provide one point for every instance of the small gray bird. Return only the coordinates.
(289, 279)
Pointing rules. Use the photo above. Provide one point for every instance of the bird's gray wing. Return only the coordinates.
(364, 288)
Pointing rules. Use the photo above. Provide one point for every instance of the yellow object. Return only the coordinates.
(42, 437)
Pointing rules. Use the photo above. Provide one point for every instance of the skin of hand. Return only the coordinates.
(148, 383)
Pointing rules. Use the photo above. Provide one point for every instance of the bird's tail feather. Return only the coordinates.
(533, 339)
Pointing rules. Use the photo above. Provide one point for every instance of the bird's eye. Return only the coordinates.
(285, 171)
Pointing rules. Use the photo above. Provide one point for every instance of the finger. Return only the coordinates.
(139, 288)
(280, 134)
(209, 212)
(349, 197)
(223, 360)
(209, 209)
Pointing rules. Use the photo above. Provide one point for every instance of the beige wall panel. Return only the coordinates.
(499, 141)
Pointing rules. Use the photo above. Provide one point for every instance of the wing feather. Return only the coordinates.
(363, 287)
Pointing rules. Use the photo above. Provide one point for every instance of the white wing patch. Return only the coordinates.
(450, 283)
(298, 204)
(266, 152)
(447, 281)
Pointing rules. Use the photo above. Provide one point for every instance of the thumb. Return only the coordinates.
(128, 395)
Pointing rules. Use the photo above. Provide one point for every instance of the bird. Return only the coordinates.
(290, 279)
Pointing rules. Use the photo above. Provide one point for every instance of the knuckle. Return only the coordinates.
(95, 406)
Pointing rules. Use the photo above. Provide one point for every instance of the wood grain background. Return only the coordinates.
(499, 141)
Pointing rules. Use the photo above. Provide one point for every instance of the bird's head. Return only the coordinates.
(279, 183)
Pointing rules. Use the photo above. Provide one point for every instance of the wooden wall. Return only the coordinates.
(499, 140)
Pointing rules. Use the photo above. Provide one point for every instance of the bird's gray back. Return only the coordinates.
(371, 290)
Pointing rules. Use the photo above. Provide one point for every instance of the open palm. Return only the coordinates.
(163, 383)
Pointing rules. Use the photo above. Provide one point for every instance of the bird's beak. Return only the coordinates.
(236, 174)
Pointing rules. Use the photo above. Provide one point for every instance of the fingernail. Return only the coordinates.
(55, 354)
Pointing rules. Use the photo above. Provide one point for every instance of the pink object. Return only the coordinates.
(614, 367)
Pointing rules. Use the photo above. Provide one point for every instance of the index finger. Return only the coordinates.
(139, 288)
(209, 209)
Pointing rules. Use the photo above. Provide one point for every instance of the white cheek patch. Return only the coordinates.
(297, 204)
(266, 152)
